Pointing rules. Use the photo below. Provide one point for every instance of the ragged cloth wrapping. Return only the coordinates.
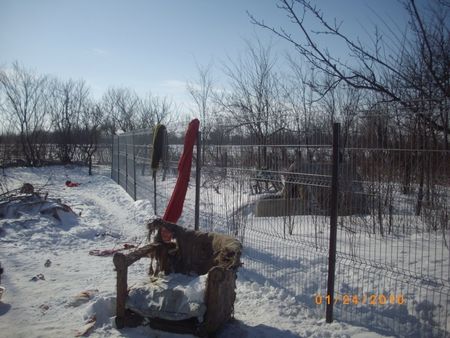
(195, 251)
(172, 297)
(159, 136)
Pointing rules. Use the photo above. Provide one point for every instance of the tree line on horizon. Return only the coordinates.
(393, 93)
(392, 99)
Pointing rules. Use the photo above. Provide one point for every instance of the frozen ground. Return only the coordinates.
(108, 217)
(410, 261)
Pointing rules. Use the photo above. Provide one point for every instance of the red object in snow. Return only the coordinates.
(175, 206)
(71, 184)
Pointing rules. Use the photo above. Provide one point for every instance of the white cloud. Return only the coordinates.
(99, 51)
(175, 85)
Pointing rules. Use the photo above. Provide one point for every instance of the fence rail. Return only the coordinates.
(392, 252)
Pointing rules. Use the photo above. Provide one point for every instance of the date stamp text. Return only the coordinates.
(369, 299)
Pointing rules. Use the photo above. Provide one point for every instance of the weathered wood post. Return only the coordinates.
(120, 263)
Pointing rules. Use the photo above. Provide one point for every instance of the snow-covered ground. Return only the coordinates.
(411, 262)
(108, 218)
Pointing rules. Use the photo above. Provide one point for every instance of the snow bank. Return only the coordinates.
(108, 217)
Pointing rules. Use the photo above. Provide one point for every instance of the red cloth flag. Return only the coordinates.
(175, 206)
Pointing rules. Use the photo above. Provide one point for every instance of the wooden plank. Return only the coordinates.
(141, 252)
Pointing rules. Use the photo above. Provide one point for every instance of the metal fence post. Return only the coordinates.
(197, 180)
(333, 223)
(118, 159)
(112, 157)
(126, 163)
(134, 167)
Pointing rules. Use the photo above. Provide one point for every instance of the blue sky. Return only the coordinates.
(152, 45)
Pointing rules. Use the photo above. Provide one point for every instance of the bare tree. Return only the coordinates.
(154, 109)
(121, 105)
(146, 115)
(91, 122)
(67, 101)
(341, 103)
(410, 69)
(3, 119)
(202, 92)
(26, 106)
(253, 100)
(300, 98)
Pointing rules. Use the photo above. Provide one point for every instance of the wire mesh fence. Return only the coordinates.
(273, 192)
(395, 255)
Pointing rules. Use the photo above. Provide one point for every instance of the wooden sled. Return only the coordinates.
(216, 255)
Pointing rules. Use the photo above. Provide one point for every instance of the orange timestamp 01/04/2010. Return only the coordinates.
(369, 299)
